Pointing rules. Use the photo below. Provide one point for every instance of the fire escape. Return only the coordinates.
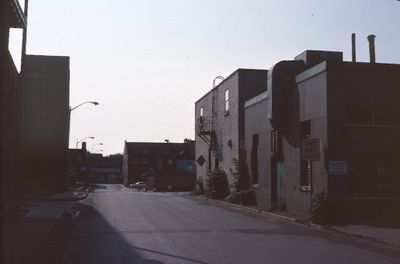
(206, 131)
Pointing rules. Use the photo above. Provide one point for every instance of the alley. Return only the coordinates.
(121, 225)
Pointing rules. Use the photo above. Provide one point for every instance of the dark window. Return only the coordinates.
(216, 163)
(305, 165)
(254, 159)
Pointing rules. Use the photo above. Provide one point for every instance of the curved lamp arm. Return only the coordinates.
(87, 102)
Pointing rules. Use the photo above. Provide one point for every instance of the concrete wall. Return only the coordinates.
(44, 127)
(256, 122)
(306, 102)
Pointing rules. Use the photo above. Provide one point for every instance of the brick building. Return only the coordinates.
(161, 164)
(219, 119)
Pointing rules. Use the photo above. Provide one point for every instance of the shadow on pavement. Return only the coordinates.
(96, 241)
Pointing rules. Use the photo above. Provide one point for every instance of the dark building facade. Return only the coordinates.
(165, 164)
(44, 123)
(104, 169)
(11, 16)
(219, 122)
(328, 126)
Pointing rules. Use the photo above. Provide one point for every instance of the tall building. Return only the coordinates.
(11, 16)
(219, 119)
(44, 123)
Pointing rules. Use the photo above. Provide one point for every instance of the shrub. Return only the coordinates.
(217, 184)
(241, 175)
(318, 208)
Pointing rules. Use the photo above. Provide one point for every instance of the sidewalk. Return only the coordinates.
(387, 236)
(63, 196)
(41, 234)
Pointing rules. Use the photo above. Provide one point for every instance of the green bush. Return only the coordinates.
(318, 208)
(241, 175)
(217, 184)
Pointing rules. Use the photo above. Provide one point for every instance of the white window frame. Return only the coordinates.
(226, 100)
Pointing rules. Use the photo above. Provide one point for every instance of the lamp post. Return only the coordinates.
(91, 150)
(87, 102)
(79, 141)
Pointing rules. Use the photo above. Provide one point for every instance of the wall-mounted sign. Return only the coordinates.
(310, 149)
(201, 160)
(337, 167)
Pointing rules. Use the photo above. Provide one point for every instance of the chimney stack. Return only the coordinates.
(371, 39)
(84, 146)
(353, 47)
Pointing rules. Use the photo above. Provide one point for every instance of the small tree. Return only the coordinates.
(217, 184)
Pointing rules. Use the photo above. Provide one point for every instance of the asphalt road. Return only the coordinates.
(120, 225)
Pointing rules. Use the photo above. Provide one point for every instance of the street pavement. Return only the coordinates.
(121, 225)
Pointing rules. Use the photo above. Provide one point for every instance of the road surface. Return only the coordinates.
(121, 225)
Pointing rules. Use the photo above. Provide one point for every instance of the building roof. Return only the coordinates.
(227, 78)
(180, 150)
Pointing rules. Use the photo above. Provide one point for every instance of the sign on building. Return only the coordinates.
(337, 167)
(310, 149)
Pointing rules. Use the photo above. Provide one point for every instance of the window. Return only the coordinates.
(254, 159)
(201, 111)
(226, 100)
(305, 165)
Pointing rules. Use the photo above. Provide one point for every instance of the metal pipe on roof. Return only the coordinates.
(371, 39)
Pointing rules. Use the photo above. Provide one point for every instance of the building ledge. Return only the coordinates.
(17, 17)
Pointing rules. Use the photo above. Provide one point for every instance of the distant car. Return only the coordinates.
(139, 185)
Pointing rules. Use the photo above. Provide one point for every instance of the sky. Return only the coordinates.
(147, 62)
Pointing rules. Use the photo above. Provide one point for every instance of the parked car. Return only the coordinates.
(138, 185)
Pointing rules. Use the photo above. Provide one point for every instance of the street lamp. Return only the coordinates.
(87, 102)
(91, 150)
(79, 141)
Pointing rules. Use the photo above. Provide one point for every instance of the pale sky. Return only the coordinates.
(147, 62)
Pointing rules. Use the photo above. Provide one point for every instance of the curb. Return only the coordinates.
(82, 196)
(366, 237)
(249, 209)
(293, 220)
(67, 237)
